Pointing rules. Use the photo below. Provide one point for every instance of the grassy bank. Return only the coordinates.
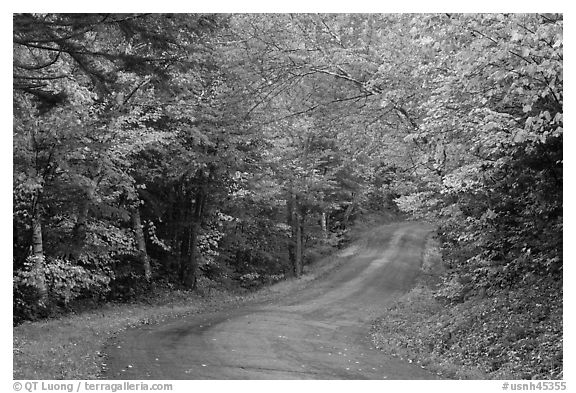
(69, 347)
(513, 335)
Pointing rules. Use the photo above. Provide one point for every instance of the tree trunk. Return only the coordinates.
(38, 257)
(348, 212)
(298, 261)
(141, 243)
(191, 271)
(290, 222)
(191, 279)
(324, 225)
(184, 253)
(79, 230)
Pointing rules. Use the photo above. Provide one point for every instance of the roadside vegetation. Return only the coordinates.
(496, 116)
(160, 153)
(516, 335)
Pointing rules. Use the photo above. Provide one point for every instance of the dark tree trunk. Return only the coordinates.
(349, 211)
(295, 245)
(79, 230)
(299, 246)
(290, 222)
(141, 243)
(181, 214)
(184, 252)
(191, 270)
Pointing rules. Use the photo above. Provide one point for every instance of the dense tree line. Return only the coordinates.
(160, 149)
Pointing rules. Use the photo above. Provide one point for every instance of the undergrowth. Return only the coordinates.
(513, 334)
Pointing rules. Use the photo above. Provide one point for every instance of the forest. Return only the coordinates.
(160, 152)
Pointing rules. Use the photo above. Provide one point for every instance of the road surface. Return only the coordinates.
(320, 331)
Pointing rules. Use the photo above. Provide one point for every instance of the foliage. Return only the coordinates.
(502, 217)
(235, 149)
(513, 336)
(86, 95)
(489, 143)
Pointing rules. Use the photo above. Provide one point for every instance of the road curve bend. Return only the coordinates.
(319, 332)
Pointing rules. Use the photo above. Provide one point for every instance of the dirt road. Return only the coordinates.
(320, 331)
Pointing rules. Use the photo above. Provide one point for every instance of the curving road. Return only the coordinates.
(318, 332)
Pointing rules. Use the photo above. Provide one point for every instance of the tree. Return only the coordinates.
(492, 131)
(171, 147)
(85, 87)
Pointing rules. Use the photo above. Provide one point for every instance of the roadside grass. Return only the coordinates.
(70, 346)
(513, 335)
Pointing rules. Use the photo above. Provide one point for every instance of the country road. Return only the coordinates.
(320, 331)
